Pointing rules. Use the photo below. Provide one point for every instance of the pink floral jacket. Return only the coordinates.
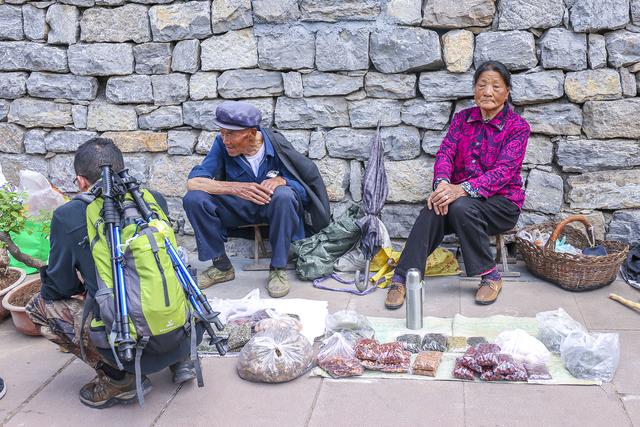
(487, 156)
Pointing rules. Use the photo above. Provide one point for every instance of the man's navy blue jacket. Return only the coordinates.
(301, 174)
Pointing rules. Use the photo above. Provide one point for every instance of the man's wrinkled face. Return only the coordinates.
(238, 142)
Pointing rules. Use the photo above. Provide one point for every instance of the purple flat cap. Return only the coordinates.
(237, 115)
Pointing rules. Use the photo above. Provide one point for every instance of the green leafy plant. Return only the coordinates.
(12, 220)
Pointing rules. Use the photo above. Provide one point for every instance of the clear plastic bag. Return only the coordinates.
(348, 321)
(337, 356)
(457, 344)
(591, 356)
(486, 355)
(537, 372)
(434, 342)
(426, 363)
(410, 342)
(41, 197)
(367, 349)
(275, 356)
(554, 326)
(231, 309)
(522, 346)
(276, 320)
(462, 372)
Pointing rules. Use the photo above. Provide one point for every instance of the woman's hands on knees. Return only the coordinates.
(443, 196)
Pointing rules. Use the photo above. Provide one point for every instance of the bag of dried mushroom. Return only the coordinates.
(274, 356)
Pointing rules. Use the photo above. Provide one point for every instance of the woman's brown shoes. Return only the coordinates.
(395, 296)
(488, 291)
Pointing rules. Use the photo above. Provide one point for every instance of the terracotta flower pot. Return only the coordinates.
(21, 275)
(15, 302)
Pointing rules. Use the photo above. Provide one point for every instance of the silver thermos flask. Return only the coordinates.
(414, 299)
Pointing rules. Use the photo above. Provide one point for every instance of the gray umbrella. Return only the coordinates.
(374, 194)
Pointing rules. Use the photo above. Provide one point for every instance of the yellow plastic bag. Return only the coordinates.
(441, 262)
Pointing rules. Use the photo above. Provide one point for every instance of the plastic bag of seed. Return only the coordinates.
(410, 342)
(426, 363)
(537, 371)
(457, 344)
(337, 356)
(237, 334)
(274, 356)
(434, 342)
(348, 321)
(473, 341)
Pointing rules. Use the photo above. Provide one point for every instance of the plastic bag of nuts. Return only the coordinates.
(274, 356)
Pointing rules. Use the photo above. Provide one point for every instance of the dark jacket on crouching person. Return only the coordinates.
(70, 258)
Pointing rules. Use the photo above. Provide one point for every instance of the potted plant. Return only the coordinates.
(12, 220)
(10, 277)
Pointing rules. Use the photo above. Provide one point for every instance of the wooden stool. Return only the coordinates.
(502, 255)
(259, 250)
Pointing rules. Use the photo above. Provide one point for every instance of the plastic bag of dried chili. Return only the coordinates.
(337, 356)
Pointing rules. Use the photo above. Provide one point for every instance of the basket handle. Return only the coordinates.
(551, 243)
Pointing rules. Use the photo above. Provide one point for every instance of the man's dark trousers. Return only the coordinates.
(212, 215)
(473, 220)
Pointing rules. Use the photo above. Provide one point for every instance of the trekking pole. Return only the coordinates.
(197, 299)
(111, 218)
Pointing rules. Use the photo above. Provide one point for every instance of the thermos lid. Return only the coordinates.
(413, 281)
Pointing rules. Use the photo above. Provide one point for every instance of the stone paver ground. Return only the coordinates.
(43, 383)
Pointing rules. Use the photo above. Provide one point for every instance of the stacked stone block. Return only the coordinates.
(150, 74)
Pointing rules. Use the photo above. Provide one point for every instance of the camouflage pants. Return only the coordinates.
(60, 322)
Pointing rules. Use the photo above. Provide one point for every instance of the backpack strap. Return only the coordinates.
(85, 197)
(86, 310)
(142, 343)
(194, 353)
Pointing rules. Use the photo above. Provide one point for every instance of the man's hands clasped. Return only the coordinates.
(260, 194)
(443, 196)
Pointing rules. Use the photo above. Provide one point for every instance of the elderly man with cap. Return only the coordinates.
(252, 175)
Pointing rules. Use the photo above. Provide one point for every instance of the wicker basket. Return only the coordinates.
(572, 272)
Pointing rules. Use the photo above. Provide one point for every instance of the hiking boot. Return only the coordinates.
(488, 291)
(3, 388)
(278, 285)
(183, 372)
(395, 296)
(213, 275)
(103, 392)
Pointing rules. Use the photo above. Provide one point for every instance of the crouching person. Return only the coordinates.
(59, 307)
(252, 175)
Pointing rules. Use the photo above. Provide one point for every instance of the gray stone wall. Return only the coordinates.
(149, 74)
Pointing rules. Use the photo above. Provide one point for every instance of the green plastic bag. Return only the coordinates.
(316, 254)
(33, 240)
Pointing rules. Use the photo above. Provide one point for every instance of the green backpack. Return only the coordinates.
(159, 313)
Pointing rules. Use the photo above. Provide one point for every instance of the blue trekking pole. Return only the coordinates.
(111, 217)
(197, 299)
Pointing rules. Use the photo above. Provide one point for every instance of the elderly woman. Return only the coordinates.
(477, 188)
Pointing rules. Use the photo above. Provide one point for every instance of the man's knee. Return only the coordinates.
(284, 196)
(194, 199)
(36, 310)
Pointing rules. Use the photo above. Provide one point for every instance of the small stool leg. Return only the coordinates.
(257, 243)
(501, 253)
